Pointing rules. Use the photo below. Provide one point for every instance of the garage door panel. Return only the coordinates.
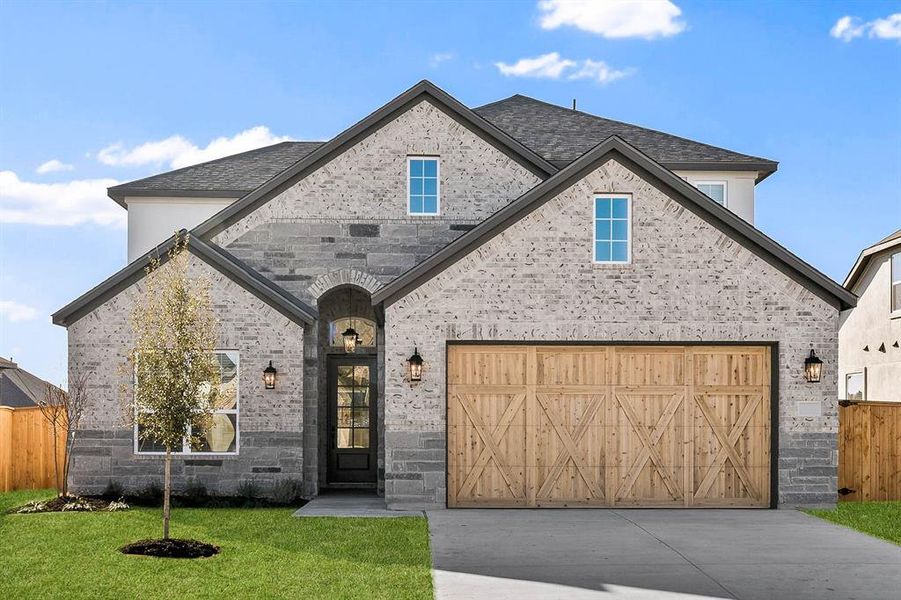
(586, 366)
(569, 484)
(608, 426)
(649, 366)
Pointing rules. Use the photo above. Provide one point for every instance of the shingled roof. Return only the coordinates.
(561, 135)
(228, 177)
(18, 387)
(552, 133)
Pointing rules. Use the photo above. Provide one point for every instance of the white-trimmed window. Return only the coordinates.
(613, 228)
(716, 190)
(855, 386)
(423, 187)
(896, 283)
(222, 437)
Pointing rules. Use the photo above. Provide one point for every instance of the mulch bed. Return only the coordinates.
(171, 548)
(70, 503)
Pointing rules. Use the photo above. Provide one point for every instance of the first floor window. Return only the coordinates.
(854, 386)
(612, 229)
(222, 436)
(423, 185)
(714, 189)
(896, 282)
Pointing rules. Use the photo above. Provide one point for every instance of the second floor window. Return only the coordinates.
(612, 229)
(854, 386)
(896, 282)
(422, 185)
(714, 189)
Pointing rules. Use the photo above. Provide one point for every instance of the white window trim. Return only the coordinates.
(594, 233)
(863, 376)
(186, 449)
(437, 160)
(893, 314)
(723, 183)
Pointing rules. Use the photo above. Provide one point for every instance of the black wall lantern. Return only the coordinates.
(350, 335)
(415, 363)
(813, 368)
(269, 376)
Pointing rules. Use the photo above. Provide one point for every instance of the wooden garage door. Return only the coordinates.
(533, 426)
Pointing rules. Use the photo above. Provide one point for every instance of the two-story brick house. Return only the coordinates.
(598, 320)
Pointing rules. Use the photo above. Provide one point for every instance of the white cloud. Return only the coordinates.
(62, 204)
(553, 66)
(436, 59)
(181, 152)
(15, 311)
(888, 28)
(52, 166)
(646, 19)
(848, 28)
(600, 71)
(548, 66)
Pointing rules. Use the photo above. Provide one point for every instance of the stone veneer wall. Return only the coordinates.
(537, 281)
(270, 421)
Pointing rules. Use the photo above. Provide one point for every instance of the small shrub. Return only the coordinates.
(196, 494)
(78, 505)
(286, 491)
(117, 505)
(249, 490)
(113, 489)
(35, 506)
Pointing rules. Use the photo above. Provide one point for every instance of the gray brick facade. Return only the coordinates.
(345, 225)
(537, 281)
(270, 421)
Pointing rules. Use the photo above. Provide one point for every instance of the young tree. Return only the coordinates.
(63, 411)
(176, 376)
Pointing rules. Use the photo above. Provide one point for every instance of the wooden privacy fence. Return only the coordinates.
(26, 450)
(869, 451)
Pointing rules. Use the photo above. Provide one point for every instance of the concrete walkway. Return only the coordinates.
(350, 504)
(581, 554)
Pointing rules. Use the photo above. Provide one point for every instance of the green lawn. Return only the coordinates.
(880, 519)
(265, 553)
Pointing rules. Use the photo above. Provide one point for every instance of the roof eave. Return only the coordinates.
(120, 192)
(863, 259)
(279, 299)
(764, 168)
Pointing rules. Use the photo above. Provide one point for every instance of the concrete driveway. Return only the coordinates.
(577, 554)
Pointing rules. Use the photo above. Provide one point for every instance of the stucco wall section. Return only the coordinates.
(869, 332)
(537, 282)
(270, 421)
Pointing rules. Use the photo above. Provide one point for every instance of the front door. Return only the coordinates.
(352, 428)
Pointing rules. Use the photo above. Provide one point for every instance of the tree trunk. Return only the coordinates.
(167, 488)
(60, 487)
(67, 459)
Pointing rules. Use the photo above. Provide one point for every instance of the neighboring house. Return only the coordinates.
(869, 337)
(19, 388)
(593, 329)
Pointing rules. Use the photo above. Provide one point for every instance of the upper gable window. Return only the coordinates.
(715, 189)
(613, 228)
(896, 282)
(422, 185)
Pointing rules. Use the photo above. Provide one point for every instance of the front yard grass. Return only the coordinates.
(265, 553)
(880, 519)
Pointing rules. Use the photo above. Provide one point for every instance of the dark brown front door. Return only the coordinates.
(352, 428)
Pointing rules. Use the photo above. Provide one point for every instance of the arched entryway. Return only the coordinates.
(350, 390)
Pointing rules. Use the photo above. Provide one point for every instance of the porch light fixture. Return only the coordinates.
(415, 363)
(269, 376)
(813, 368)
(350, 334)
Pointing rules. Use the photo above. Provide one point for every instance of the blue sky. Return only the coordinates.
(117, 91)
